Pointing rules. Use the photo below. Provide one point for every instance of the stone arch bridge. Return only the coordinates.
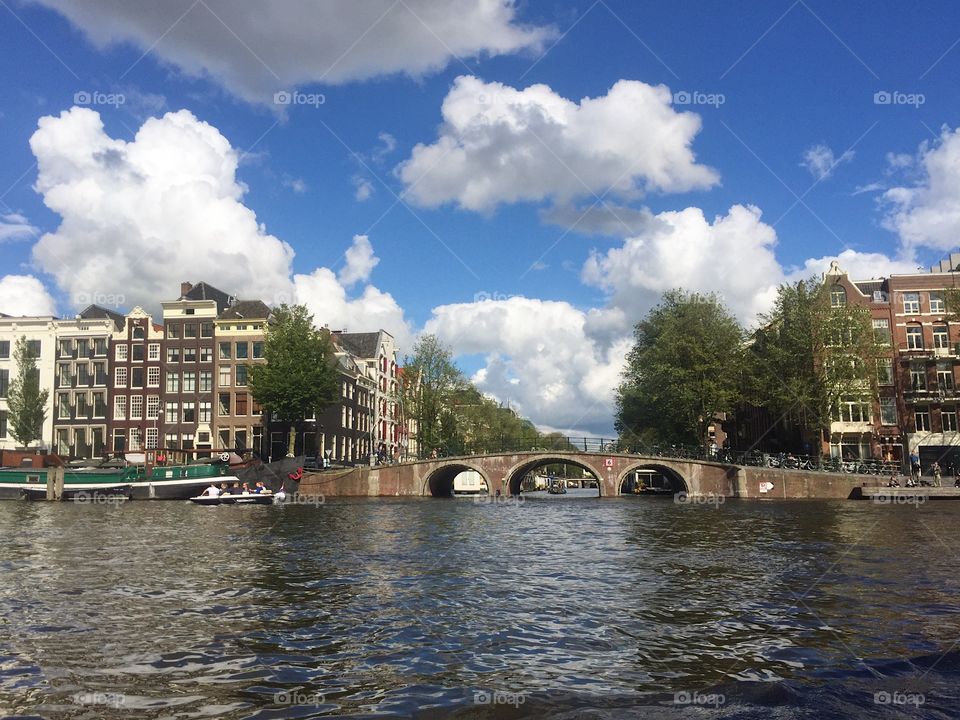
(505, 472)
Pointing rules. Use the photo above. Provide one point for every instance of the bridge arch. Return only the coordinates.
(514, 476)
(439, 481)
(671, 474)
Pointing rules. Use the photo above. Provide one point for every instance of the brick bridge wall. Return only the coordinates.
(505, 471)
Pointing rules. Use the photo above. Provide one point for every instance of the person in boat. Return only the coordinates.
(246, 490)
(261, 488)
(212, 491)
(235, 489)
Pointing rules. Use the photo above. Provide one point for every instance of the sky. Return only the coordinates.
(522, 179)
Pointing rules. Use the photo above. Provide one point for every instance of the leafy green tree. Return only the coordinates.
(26, 402)
(810, 354)
(431, 384)
(680, 374)
(299, 377)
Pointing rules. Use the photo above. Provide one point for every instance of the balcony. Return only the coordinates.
(932, 394)
(907, 353)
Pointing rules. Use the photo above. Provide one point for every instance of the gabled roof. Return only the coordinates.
(246, 310)
(204, 291)
(362, 345)
(95, 312)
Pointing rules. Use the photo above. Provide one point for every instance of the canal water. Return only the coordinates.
(559, 607)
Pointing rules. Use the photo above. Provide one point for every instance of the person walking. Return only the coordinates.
(915, 465)
(935, 469)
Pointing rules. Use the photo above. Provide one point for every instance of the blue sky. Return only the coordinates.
(742, 148)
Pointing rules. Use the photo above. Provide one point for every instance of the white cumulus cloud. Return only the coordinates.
(25, 295)
(498, 145)
(255, 49)
(138, 217)
(360, 261)
(927, 213)
(821, 162)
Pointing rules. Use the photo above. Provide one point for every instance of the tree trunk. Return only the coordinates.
(292, 446)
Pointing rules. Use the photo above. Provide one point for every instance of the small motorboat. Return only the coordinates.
(239, 499)
(557, 487)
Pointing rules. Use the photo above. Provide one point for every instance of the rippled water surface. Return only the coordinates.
(552, 607)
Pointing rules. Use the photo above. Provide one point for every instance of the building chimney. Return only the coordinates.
(185, 287)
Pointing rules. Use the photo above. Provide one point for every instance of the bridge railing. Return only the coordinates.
(814, 463)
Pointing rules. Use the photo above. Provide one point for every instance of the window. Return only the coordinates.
(223, 406)
(945, 376)
(152, 438)
(153, 377)
(189, 330)
(153, 407)
(255, 408)
(225, 348)
(136, 407)
(100, 373)
(240, 439)
(241, 375)
(224, 379)
(948, 420)
(911, 303)
(838, 297)
(173, 382)
(4, 351)
(83, 407)
(922, 419)
(136, 377)
(171, 441)
(99, 404)
(171, 412)
(63, 375)
(33, 347)
(206, 413)
(83, 348)
(173, 354)
(936, 303)
(941, 336)
(206, 380)
(63, 442)
(206, 329)
(138, 332)
(189, 382)
(120, 377)
(257, 350)
(135, 439)
(173, 331)
(100, 347)
(914, 337)
(136, 353)
(206, 355)
(189, 354)
(153, 352)
(3, 415)
(121, 352)
(854, 410)
(881, 331)
(242, 348)
(4, 383)
(63, 406)
(224, 438)
(119, 440)
(66, 348)
(189, 412)
(241, 408)
(119, 407)
(885, 371)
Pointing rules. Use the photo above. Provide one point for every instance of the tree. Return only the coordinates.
(26, 402)
(299, 377)
(680, 374)
(810, 354)
(431, 383)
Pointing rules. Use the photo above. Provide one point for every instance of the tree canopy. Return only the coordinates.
(26, 402)
(299, 377)
(682, 371)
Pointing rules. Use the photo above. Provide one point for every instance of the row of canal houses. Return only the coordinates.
(127, 383)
